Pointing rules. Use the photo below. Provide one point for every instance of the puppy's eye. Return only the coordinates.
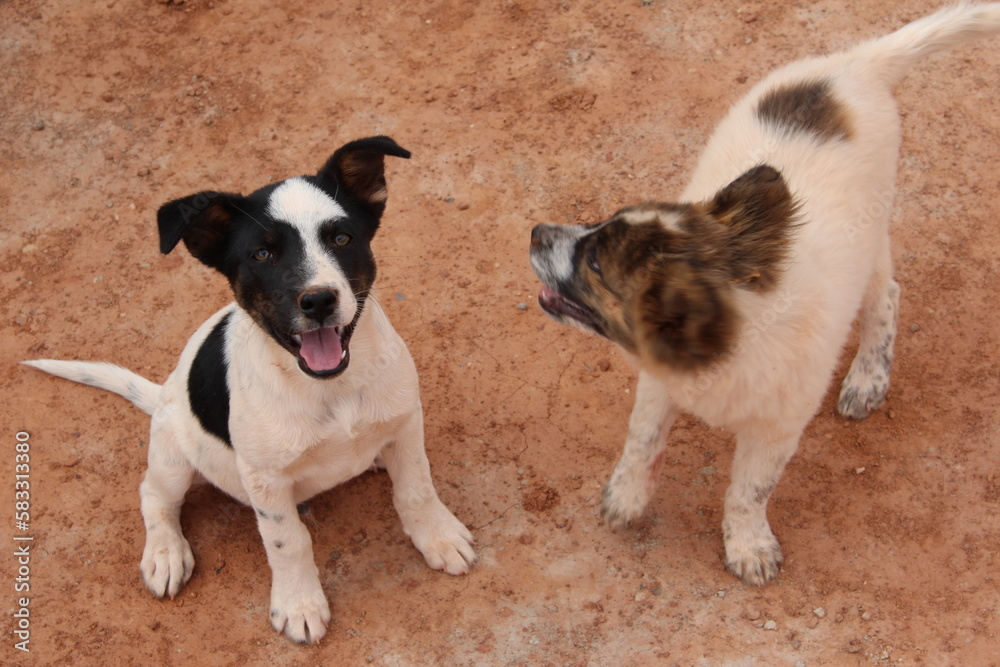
(262, 254)
(342, 239)
(592, 262)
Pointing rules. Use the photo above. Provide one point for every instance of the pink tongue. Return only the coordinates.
(321, 349)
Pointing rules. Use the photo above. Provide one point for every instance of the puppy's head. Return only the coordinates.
(659, 279)
(297, 253)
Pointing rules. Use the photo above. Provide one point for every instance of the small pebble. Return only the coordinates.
(914, 328)
(771, 625)
(753, 613)
(603, 365)
(38, 125)
(522, 306)
(820, 612)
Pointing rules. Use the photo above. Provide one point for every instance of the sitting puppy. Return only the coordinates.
(736, 303)
(299, 385)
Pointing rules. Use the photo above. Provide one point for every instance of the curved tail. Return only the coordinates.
(893, 55)
(143, 393)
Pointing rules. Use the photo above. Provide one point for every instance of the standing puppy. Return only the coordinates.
(299, 385)
(735, 303)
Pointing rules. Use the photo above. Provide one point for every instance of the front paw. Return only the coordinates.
(301, 612)
(623, 501)
(755, 559)
(167, 563)
(443, 540)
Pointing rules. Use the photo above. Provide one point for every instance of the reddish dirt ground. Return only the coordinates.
(517, 112)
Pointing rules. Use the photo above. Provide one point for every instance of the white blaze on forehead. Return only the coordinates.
(641, 216)
(307, 207)
(300, 203)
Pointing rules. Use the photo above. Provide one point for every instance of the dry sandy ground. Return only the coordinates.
(517, 112)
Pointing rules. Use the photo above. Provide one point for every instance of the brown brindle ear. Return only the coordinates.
(759, 212)
(358, 168)
(685, 319)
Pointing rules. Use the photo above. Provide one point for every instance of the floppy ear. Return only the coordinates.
(685, 319)
(204, 220)
(358, 168)
(759, 212)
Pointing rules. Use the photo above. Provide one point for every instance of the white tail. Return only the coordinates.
(893, 55)
(143, 393)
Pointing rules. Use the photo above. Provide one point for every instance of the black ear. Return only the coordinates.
(758, 212)
(358, 168)
(204, 220)
(685, 318)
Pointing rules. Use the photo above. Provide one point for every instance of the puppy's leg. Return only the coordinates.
(298, 606)
(167, 560)
(635, 477)
(443, 540)
(867, 382)
(752, 552)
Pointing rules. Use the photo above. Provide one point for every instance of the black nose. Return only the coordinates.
(317, 304)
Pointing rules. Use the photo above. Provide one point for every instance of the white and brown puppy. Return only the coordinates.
(736, 303)
(299, 385)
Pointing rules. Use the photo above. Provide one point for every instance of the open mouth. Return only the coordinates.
(323, 352)
(560, 307)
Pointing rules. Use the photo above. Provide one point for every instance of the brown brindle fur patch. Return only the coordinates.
(758, 213)
(665, 292)
(806, 106)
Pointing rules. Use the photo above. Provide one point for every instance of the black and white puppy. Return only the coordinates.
(736, 303)
(299, 385)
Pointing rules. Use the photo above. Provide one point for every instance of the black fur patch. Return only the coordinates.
(264, 257)
(806, 106)
(208, 389)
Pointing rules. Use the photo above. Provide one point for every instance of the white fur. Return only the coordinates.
(307, 207)
(771, 386)
(294, 436)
